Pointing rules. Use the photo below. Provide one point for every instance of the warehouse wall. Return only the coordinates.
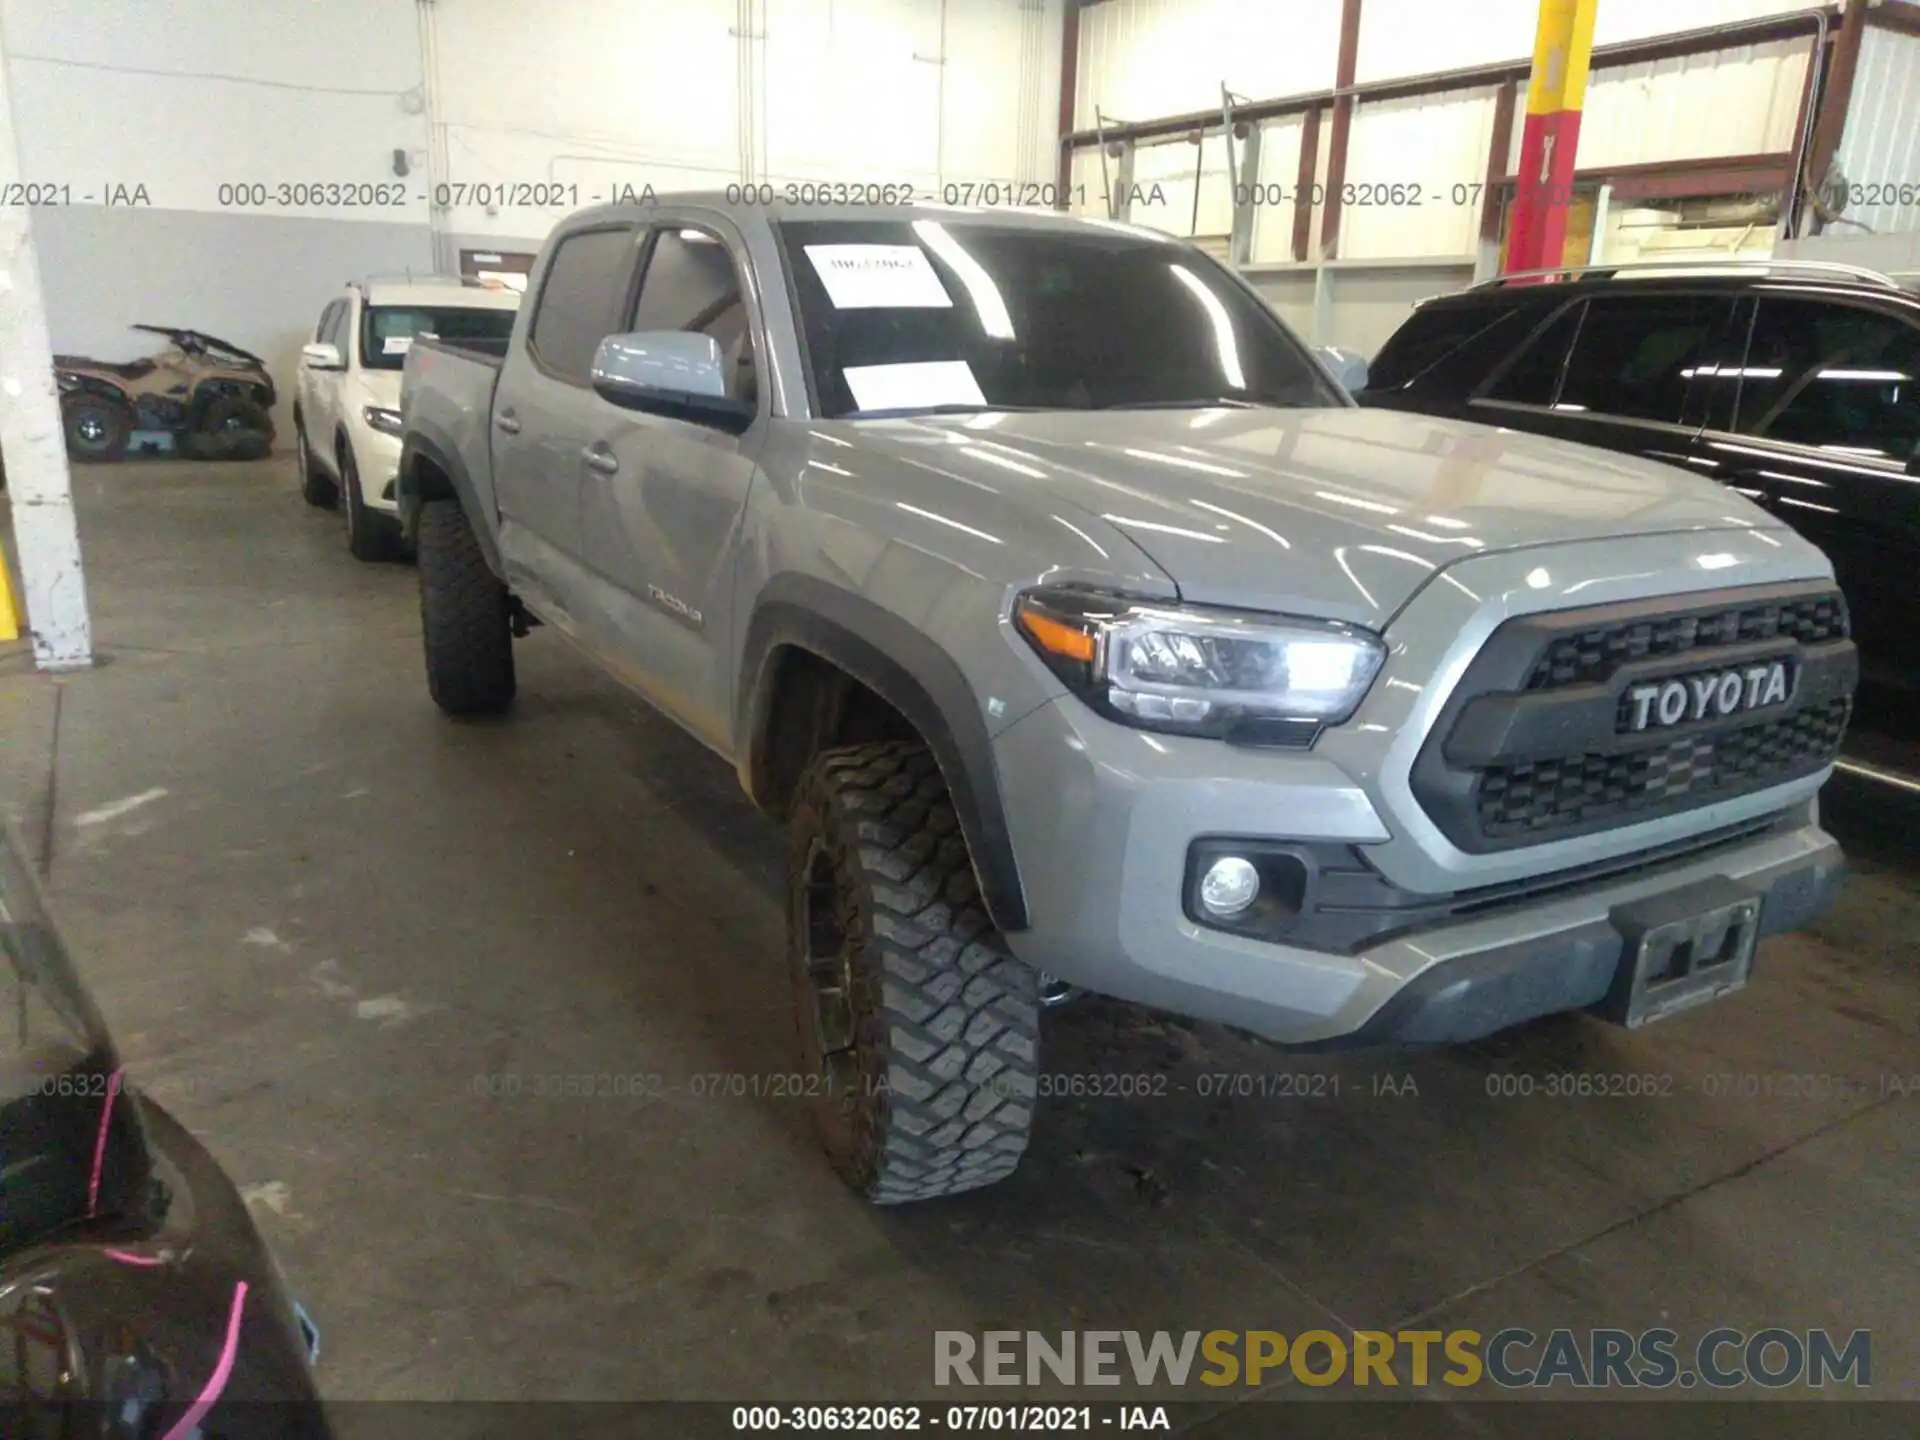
(1142, 58)
(1743, 101)
(156, 107)
(1414, 37)
(515, 114)
(1419, 164)
(666, 93)
(1880, 150)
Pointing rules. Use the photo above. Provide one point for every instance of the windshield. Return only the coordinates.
(386, 331)
(72, 1147)
(959, 313)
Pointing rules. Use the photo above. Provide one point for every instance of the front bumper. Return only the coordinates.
(1102, 850)
(378, 457)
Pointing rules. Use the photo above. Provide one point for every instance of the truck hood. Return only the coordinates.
(1341, 513)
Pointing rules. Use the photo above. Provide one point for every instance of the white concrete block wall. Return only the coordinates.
(514, 113)
(181, 97)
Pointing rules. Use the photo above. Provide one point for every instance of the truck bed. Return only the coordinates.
(446, 408)
(492, 350)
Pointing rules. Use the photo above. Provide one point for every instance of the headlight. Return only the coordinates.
(1252, 679)
(386, 421)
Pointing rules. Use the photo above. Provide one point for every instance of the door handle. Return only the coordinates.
(605, 461)
(507, 422)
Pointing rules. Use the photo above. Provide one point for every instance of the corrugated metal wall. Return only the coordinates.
(1731, 102)
(1880, 153)
(1142, 58)
(1417, 37)
(1146, 58)
(1419, 170)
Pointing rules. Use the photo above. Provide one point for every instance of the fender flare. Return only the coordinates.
(412, 489)
(87, 384)
(910, 672)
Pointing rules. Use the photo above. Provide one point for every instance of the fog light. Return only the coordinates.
(1229, 886)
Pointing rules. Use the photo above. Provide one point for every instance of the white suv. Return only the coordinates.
(346, 412)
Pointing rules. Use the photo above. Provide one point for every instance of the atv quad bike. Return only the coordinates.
(213, 397)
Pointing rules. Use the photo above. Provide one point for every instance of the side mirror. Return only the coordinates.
(669, 372)
(316, 356)
(1349, 367)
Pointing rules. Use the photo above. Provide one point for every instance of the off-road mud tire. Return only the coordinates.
(465, 616)
(932, 1084)
(114, 418)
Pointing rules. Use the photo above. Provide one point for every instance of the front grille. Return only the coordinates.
(1544, 739)
(1592, 656)
(1546, 796)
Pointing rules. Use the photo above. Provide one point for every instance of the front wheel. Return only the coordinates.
(918, 1029)
(466, 616)
(96, 428)
(371, 536)
(315, 488)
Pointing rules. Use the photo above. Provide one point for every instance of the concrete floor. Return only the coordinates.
(332, 910)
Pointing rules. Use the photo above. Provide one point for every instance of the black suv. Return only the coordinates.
(1797, 384)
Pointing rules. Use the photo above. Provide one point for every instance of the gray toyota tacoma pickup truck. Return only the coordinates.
(1082, 633)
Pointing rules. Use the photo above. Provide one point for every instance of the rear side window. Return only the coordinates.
(1534, 376)
(691, 285)
(1636, 354)
(1832, 376)
(580, 298)
(1440, 333)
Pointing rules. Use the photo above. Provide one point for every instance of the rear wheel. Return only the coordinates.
(370, 536)
(315, 488)
(921, 1031)
(466, 616)
(96, 428)
(233, 428)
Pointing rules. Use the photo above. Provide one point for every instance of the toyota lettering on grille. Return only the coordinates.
(1713, 694)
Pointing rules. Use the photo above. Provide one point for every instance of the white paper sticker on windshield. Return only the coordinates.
(395, 344)
(908, 387)
(879, 277)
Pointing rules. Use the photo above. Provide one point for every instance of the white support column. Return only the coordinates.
(1597, 248)
(31, 436)
(1322, 302)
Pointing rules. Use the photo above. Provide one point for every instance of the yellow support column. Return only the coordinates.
(9, 609)
(1562, 51)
